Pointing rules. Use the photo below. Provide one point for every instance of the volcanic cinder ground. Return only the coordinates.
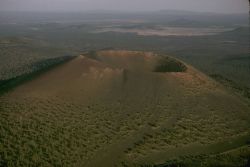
(112, 109)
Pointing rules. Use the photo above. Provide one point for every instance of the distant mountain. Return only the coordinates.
(164, 16)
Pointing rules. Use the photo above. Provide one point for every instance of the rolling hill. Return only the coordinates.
(122, 108)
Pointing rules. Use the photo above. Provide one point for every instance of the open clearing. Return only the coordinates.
(166, 31)
(119, 108)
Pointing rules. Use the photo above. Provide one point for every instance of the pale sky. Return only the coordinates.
(218, 6)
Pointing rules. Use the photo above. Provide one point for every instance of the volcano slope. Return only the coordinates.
(122, 108)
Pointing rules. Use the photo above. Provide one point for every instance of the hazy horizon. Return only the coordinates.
(212, 6)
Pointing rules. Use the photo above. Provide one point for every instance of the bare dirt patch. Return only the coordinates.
(166, 31)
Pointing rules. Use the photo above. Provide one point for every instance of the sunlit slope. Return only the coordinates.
(119, 108)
